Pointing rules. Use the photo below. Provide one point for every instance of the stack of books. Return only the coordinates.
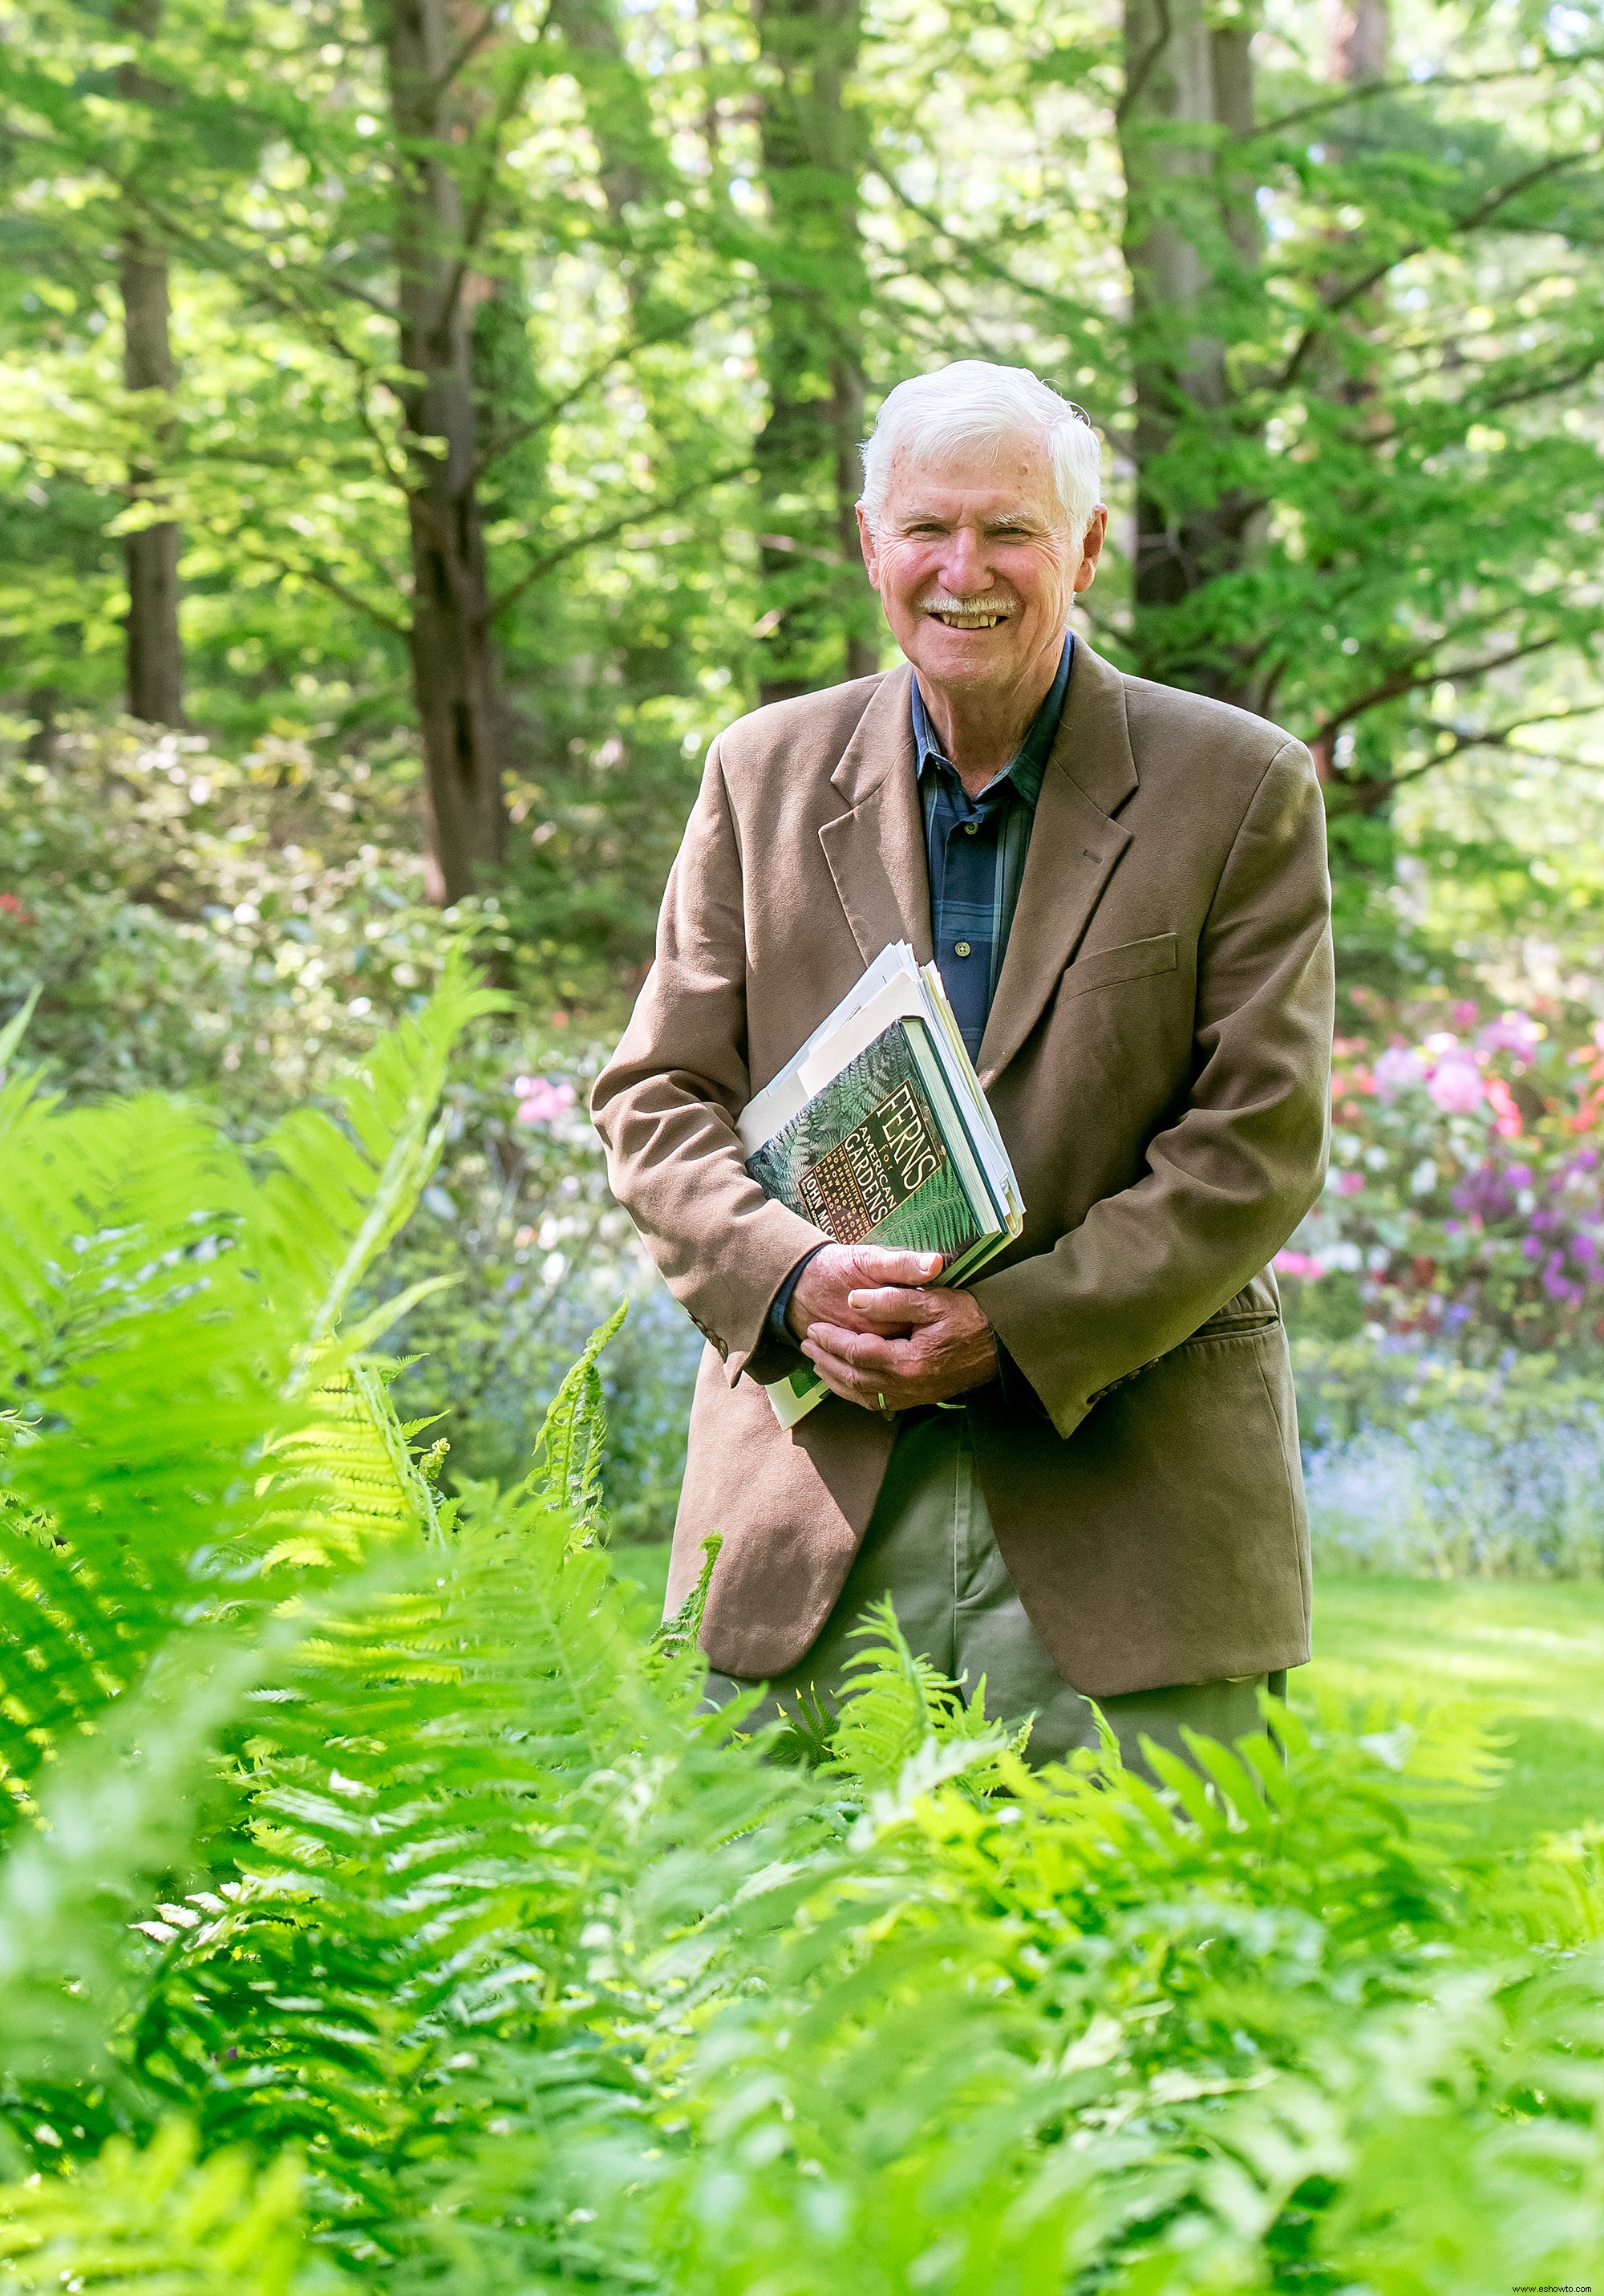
(878, 1132)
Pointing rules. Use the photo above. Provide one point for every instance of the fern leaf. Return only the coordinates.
(134, 2222)
(337, 1195)
(567, 1451)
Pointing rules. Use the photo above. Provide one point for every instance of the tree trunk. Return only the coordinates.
(453, 665)
(1361, 36)
(1190, 224)
(154, 654)
(819, 618)
(618, 114)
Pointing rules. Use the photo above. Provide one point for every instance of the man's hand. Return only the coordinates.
(879, 1336)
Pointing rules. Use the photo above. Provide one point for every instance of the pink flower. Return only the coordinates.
(539, 1100)
(1511, 1032)
(1350, 1184)
(1455, 1086)
(1465, 1014)
(1509, 1125)
(1299, 1263)
(14, 907)
(1399, 1066)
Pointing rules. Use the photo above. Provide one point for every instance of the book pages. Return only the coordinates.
(877, 1129)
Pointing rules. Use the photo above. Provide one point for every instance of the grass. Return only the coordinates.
(1534, 1655)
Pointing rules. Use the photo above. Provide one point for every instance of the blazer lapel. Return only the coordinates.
(1075, 847)
(876, 849)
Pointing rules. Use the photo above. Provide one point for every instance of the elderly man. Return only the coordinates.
(1080, 1477)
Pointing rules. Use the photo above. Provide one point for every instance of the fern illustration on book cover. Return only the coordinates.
(866, 1158)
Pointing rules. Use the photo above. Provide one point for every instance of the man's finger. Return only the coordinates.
(894, 1305)
(845, 1380)
(867, 1351)
(874, 1264)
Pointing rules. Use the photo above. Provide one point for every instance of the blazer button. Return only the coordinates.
(960, 949)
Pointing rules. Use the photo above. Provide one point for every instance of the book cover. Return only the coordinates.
(866, 1158)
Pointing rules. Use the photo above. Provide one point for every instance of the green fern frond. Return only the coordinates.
(568, 1450)
(156, 2223)
(894, 1703)
(336, 1195)
(673, 1649)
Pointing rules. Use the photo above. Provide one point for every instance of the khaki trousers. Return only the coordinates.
(929, 1546)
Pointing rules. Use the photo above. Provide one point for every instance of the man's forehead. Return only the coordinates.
(1016, 482)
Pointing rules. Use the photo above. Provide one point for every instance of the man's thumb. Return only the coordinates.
(878, 1265)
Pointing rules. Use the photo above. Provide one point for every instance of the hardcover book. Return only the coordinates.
(879, 1129)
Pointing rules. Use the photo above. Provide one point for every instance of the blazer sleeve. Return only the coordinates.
(665, 1105)
(1227, 1184)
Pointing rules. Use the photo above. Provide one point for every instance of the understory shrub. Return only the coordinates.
(1422, 1465)
(237, 930)
(377, 1909)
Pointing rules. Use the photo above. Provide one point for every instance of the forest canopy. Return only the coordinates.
(479, 390)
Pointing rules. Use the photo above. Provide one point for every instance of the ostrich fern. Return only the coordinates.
(377, 1909)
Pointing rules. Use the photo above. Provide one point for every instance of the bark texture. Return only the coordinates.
(1191, 221)
(154, 666)
(821, 621)
(453, 663)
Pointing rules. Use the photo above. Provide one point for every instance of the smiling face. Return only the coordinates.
(976, 566)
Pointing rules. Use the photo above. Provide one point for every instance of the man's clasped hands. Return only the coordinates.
(878, 1333)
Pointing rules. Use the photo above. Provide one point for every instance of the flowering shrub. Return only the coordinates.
(1418, 1465)
(237, 930)
(1465, 1197)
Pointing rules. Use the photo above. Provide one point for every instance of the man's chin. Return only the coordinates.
(993, 657)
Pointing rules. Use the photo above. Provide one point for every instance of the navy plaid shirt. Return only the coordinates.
(975, 849)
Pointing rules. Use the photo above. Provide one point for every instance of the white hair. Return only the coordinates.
(973, 406)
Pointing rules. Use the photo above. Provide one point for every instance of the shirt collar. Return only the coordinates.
(1028, 764)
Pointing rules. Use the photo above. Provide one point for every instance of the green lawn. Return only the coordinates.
(1533, 1655)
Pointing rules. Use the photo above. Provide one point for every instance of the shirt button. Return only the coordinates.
(969, 828)
(960, 949)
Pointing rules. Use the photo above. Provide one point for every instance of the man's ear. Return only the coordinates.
(1092, 543)
(870, 554)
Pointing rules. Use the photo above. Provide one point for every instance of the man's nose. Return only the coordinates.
(964, 566)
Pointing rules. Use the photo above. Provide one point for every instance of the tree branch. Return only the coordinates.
(635, 516)
(554, 409)
(1495, 737)
(468, 49)
(1137, 80)
(1367, 91)
(1342, 299)
(331, 583)
(477, 214)
(1061, 306)
(1394, 688)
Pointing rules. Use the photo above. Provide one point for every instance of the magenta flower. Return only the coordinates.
(1299, 1263)
(1399, 1066)
(1511, 1032)
(1351, 1183)
(539, 1100)
(1455, 1085)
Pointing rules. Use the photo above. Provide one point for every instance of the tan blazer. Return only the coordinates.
(1157, 1058)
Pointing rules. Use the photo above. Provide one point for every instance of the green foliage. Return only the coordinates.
(393, 1847)
(136, 2223)
(567, 1456)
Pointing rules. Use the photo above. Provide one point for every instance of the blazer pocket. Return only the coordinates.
(1133, 960)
